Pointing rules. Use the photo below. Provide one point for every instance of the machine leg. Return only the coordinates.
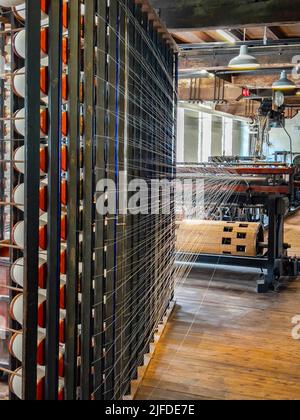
(263, 285)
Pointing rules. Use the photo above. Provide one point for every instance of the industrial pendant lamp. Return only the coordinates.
(244, 61)
(283, 83)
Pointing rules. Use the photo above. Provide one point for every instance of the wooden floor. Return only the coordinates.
(226, 342)
(3, 391)
(292, 234)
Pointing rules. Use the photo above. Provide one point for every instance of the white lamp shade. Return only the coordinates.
(244, 61)
(284, 83)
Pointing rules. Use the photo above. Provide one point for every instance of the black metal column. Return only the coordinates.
(2, 139)
(111, 138)
(101, 99)
(73, 203)
(32, 185)
(54, 197)
(88, 201)
(121, 218)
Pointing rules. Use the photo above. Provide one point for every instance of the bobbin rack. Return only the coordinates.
(88, 90)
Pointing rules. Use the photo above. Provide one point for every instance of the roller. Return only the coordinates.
(220, 238)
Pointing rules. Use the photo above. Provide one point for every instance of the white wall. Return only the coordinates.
(180, 135)
(202, 134)
(280, 141)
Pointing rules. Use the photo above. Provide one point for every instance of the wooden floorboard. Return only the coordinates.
(224, 341)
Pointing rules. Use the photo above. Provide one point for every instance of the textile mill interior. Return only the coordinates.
(149, 202)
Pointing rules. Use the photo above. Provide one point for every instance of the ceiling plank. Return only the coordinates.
(237, 34)
(204, 36)
(190, 37)
(208, 90)
(209, 14)
(246, 109)
(275, 33)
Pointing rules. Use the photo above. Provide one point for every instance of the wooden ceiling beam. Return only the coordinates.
(192, 37)
(219, 59)
(256, 81)
(246, 109)
(211, 14)
(204, 36)
(208, 90)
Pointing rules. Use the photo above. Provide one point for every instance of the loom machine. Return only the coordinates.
(248, 229)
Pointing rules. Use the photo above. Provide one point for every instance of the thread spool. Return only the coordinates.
(63, 260)
(19, 160)
(19, 196)
(19, 122)
(16, 309)
(15, 384)
(17, 272)
(18, 82)
(18, 234)
(20, 11)
(16, 347)
(10, 3)
(19, 43)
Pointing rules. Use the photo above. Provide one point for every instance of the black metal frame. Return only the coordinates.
(100, 173)
(2, 141)
(110, 225)
(17, 140)
(54, 200)
(88, 202)
(3, 263)
(31, 208)
(120, 228)
(72, 313)
(109, 305)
